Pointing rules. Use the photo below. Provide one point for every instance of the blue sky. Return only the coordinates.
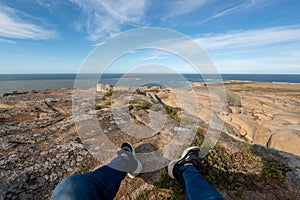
(240, 36)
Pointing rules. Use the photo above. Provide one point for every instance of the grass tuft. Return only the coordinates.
(233, 99)
(168, 183)
(238, 172)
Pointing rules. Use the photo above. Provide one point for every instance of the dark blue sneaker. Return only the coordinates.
(135, 166)
(189, 156)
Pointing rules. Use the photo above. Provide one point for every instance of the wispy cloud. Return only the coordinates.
(220, 9)
(221, 13)
(283, 64)
(13, 26)
(250, 38)
(102, 18)
(211, 9)
(155, 55)
(182, 7)
(7, 41)
(265, 50)
(269, 50)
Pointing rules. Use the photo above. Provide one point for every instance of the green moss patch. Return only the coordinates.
(142, 104)
(173, 113)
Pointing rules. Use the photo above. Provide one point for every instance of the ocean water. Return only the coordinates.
(23, 82)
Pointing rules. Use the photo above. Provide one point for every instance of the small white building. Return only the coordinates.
(101, 87)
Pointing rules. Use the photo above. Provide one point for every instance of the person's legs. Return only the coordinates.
(195, 186)
(104, 182)
(184, 170)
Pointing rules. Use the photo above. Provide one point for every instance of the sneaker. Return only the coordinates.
(135, 166)
(189, 156)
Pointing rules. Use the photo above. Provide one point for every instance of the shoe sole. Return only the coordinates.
(137, 171)
(172, 163)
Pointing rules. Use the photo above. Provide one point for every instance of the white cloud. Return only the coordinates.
(12, 26)
(107, 17)
(250, 38)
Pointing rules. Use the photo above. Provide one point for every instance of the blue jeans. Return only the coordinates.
(104, 183)
(195, 186)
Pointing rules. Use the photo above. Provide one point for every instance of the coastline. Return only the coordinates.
(24, 82)
(10, 86)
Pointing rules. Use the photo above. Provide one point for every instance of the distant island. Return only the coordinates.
(129, 79)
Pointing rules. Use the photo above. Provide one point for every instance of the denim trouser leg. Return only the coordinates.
(195, 186)
(103, 183)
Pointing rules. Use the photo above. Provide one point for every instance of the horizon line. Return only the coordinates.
(70, 73)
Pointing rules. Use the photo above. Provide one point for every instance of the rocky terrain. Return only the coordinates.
(262, 113)
(40, 144)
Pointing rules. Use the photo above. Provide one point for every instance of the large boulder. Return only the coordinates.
(262, 135)
(246, 124)
(287, 140)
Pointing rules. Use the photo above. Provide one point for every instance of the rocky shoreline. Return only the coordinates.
(39, 143)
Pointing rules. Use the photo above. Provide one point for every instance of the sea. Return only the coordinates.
(25, 82)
